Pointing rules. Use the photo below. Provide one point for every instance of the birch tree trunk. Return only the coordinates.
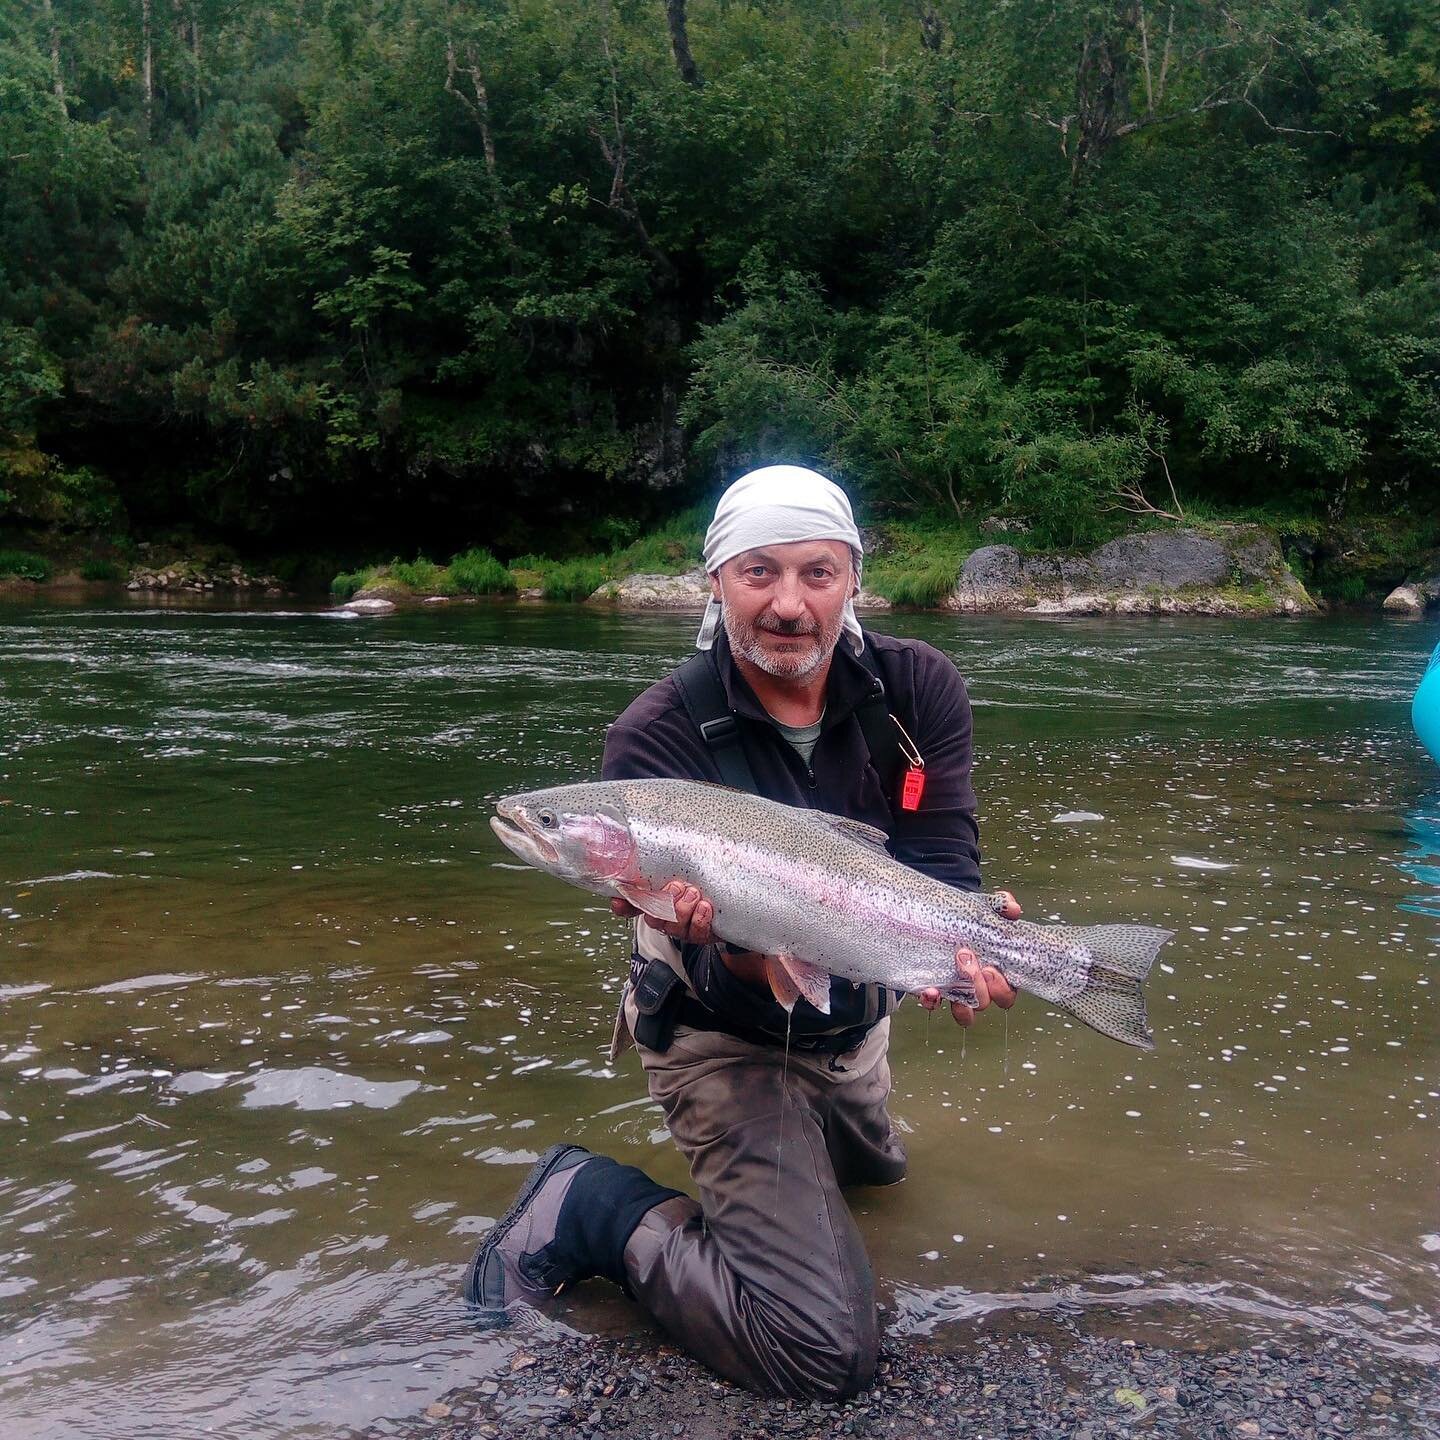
(195, 57)
(479, 108)
(52, 25)
(147, 61)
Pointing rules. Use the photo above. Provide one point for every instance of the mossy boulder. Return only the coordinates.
(1159, 572)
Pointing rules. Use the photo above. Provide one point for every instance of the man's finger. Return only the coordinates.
(999, 988)
(967, 965)
(623, 908)
(929, 997)
(686, 900)
(700, 923)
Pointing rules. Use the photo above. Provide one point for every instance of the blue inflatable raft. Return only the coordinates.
(1425, 711)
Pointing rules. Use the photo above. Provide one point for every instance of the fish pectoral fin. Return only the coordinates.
(810, 981)
(782, 987)
(657, 904)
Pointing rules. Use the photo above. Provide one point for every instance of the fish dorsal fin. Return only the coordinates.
(851, 829)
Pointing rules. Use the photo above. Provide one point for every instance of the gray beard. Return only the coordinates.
(745, 642)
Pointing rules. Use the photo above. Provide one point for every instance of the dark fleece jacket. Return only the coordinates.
(655, 738)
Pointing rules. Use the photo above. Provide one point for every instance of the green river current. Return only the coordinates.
(282, 1024)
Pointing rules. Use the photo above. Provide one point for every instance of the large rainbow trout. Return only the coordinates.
(818, 895)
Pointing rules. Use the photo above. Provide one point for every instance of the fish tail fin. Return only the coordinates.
(1112, 1001)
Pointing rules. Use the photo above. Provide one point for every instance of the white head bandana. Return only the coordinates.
(778, 506)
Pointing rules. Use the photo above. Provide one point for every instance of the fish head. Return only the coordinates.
(578, 833)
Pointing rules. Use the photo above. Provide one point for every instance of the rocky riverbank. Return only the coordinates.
(146, 568)
(1414, 597)
(1159, 572)
(1212, 569)
(686, 593)
(196, 579)
(1045, 1381)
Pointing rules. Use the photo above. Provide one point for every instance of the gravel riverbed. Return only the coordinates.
(1041, 1383)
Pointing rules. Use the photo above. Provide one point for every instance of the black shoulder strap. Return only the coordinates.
(882, 739)
(709, 707)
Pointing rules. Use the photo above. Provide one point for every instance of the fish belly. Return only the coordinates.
(847, 923)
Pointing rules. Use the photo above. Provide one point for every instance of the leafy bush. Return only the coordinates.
(672, 549)
(419, 574)
(344, 585)
(1062, 482)
(573, 579)
(106, 570)
(22, 565)
(478, 572)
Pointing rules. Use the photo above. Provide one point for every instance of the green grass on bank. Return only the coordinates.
(23, 565)
(475, 572)
(915, 562)
(672, 549)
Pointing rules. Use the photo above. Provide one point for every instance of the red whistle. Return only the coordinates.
(913, 789)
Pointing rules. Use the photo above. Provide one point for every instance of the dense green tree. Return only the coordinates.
(495, 270)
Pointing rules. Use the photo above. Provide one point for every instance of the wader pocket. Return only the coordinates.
(658, 992)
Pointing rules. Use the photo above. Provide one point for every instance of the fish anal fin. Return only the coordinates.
(810, 981)
(784, 989)
(658, 904)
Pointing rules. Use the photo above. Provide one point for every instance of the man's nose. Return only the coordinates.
(788, 600)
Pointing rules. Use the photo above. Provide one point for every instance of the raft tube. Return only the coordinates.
(1425, 711)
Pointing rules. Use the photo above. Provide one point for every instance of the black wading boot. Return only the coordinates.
(569, 1222)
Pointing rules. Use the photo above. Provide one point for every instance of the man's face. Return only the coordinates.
(784, 605)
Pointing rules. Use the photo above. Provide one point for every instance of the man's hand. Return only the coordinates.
(693, 915)
(989, 983)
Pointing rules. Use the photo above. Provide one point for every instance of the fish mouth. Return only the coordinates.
(520, 835)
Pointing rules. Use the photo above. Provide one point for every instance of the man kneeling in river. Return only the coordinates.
(765, 1278)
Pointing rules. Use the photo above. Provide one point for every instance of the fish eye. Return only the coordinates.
(546, 818)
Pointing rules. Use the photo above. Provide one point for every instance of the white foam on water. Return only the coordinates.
(72, 875)
(1194, 862)
(1076, 817)
(314, 1087)
(142, 982)
(196, 1082)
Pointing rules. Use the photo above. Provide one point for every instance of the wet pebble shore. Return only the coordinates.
(1063, 1385)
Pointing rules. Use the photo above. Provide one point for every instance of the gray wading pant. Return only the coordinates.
(766, 1279)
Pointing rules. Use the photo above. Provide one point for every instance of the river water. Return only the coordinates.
(281, 1025)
